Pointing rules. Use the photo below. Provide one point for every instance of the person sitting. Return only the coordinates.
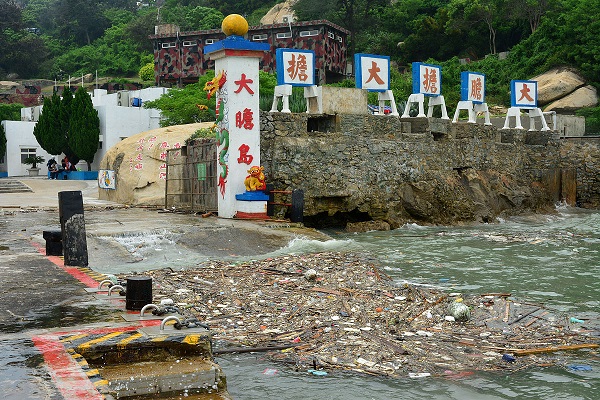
(52, 168)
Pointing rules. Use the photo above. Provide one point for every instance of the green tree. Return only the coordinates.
(84, 128)
(66, 105)
(2, 142)
(11, 112)
(180, 106)
(48, 130)
(147, 72)
(190, 18)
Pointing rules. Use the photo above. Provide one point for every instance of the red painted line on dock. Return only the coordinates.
(66, 373)
(68, 376)
(73, 271)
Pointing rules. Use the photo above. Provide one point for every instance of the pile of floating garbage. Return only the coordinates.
(329, 311)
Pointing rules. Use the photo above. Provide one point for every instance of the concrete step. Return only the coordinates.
(13, 186)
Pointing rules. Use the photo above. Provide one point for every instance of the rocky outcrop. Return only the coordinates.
(556, 84)
(277, 13)
(139, 164)
(564, 90)
(586, 96)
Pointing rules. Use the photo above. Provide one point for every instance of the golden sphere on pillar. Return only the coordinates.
(234, 24)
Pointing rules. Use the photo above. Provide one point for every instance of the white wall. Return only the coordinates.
(121, 122)
(20, 135)
(116, 122)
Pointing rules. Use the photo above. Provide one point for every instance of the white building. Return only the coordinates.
(121, 116)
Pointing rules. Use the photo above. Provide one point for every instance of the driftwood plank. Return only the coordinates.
(556, 348)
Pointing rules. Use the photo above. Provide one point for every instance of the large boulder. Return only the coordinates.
(557, 83)
(139, 164)
(277, 13)
(586, 96)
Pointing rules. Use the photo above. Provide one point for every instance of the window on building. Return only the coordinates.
(209, 41)
(168, 44)
(26, 152)
(339, 39)
(330, 35)
(309, 33)
(284, 35)
(259, 37)
(189, 43)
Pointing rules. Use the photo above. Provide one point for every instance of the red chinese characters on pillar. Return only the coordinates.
(297, 67)
(430, 80)
(244, 157)
(244, 119)
(243, 83)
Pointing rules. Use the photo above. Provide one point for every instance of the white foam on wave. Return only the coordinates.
(141, 244)
(302, 244)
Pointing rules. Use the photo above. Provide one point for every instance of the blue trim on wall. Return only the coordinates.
(77, 175)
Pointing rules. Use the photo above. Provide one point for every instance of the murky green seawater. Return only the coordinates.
(553, 260)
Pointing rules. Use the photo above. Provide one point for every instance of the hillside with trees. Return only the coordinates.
(54, 39)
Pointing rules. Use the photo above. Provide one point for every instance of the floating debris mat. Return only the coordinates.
(329, 311)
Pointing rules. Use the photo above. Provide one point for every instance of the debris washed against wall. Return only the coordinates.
(331, 311)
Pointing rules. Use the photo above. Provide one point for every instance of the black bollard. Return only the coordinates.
(297, 211)
(270, 206)
(139, 292)
(72, 225)
(54, 246)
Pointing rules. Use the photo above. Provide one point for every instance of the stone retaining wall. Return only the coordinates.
(358, 167)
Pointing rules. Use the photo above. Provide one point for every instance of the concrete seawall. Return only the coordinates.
(428, 170)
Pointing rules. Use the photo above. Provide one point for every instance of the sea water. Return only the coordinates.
(549, 259)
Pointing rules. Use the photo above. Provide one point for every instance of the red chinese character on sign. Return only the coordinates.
(243, 84)
(430, 81)
(298, 67)
(525, 93)
(476, 86)
(244, 156)
(373, 73)
(244, 119)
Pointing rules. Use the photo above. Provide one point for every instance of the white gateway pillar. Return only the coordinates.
(238, 122)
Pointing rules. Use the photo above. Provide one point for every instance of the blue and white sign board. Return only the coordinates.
(295, 67)
(523, 94)
(427, 79)
(106, 179)
(472, 87)
(372, 72)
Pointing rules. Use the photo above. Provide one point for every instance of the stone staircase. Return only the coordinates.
(13, 186)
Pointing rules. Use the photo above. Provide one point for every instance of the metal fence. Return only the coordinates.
(191, 183)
